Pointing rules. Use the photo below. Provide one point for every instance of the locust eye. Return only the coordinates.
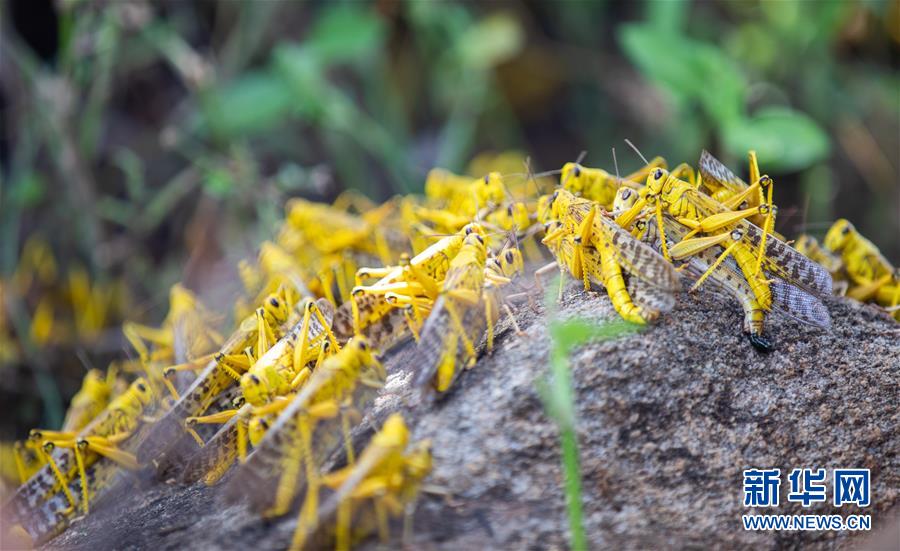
(480, 239)
(626, 194)
(363, 345)
(254, 378)
(263, 423)
(555, 195)
(274, 302)
(487, 180)
(658, 174)
(469, 230)
(509, 256)
(577, 171)
(142, 387)
(509, 210)
(845, 230)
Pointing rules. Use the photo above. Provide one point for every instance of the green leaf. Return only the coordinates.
(28, 190)
(667, 15)
(783, 138)
(303, 72)
(687, 69)
(571, 333)
(344, 34)
(256, 102)
(490, 42)
(218, 182)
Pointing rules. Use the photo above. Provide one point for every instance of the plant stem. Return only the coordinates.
(572, 470)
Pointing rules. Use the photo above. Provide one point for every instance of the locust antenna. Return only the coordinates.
(532, 177)
(85, 362)
(616, 164)
(553, 172)
(636, 150)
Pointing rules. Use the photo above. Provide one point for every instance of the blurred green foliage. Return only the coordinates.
(157, 141)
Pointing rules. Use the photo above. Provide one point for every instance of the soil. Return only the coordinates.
(668, 418)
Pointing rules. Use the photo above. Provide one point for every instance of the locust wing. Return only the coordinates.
(780, 258)
(716, 175)
(728, 280)
(277, 460)
(638, 259)
(382, 323)
(169, 431)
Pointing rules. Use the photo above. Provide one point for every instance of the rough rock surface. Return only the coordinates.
(667, 420)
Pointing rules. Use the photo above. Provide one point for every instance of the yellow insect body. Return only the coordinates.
(593, 247)
(331, 389)
(462, 195)
(253, 337)
(871, 275)
(664, 192)
(815, 251)
(98, 440)
(410, 287)
(457, 317)
(369, 492)
(598, 185)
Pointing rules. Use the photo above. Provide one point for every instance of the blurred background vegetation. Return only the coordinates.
(147, 142)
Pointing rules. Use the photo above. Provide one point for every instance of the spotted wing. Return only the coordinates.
(716, 175)
(278, 451)
(799, 304)
(649, 297)
(638, 259)
(729, 280)
(780, 258)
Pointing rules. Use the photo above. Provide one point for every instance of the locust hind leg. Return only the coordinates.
(47, 449)
(459, 327)
(617, 291)
(309, 511)
(446, 368)
(287, 482)
(868, 290)
(105, 447)
(192, 365)
(233, 365)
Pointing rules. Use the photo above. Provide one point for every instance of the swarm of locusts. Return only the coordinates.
(273, 399)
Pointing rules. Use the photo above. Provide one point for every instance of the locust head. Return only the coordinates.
(625, 199)
(142, 391)
(490, 191)
(571, 178)
(511, 262)
(254, 389)
(839, 236)
(656, 181)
